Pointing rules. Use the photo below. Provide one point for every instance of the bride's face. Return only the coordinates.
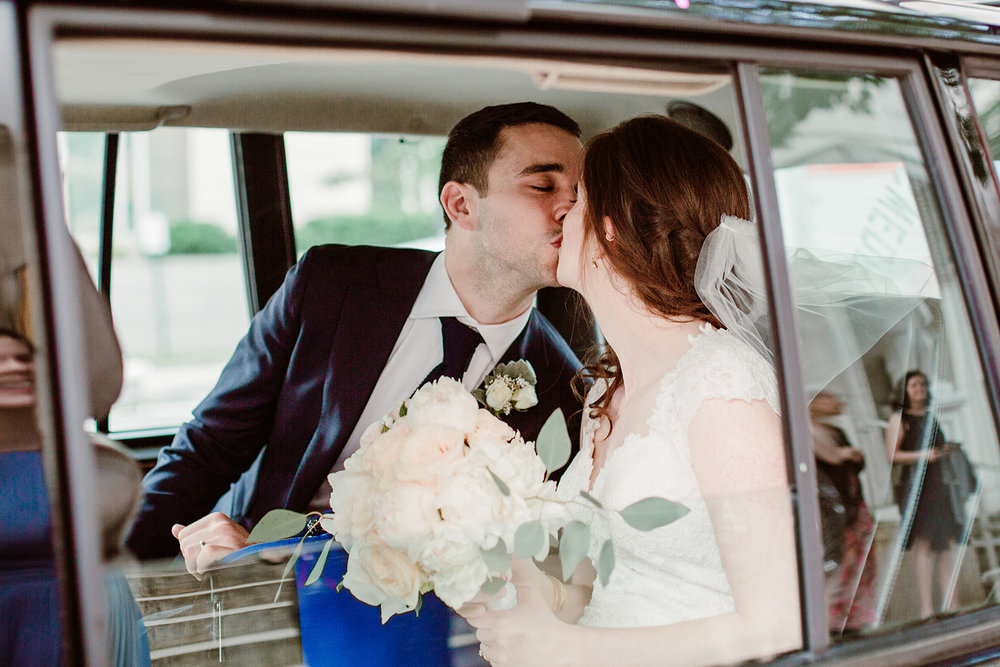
(572, 252)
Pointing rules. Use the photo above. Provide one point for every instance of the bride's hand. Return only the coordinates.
(528, 634)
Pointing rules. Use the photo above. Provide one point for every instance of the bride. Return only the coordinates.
(682, 407)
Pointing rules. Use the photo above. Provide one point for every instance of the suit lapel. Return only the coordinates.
(373, 314)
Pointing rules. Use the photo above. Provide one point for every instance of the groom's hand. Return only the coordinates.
(207, 540)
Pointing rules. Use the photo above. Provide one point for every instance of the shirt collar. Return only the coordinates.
(438, 298)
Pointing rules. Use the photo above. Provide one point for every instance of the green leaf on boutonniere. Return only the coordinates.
(277, 525)
(573, 546)
(529, 539)
(606, 563)
(553, 444)
(320, 565)
(340, 586)
(418, 606)
(480, 395)
(517, 369)
(653, 512)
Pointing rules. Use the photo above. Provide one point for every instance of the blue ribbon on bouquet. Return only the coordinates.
(338, 629)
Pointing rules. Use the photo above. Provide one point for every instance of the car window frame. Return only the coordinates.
(46, 23)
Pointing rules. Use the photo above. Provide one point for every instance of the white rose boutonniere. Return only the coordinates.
(509, 386)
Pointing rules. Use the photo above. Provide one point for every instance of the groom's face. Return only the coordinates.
(531, 187)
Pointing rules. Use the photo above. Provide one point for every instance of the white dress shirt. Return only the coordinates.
(418, 349)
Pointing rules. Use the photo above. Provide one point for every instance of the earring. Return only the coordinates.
(593, 260)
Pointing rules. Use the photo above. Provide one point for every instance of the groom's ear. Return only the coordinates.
(460, 204)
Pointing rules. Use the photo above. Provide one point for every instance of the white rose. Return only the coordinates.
(454, 566)
(351, 499)
(405, 515)
(498, 395)
(444, 402)
(428, 452)
(525, 397)
(378, 575)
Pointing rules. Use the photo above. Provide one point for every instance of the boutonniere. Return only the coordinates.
(509, 387)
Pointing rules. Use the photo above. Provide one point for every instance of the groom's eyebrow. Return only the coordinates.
(540, 168)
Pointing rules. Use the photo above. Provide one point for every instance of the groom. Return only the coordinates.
(354, 330)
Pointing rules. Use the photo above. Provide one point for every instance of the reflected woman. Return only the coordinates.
(680, 408)
(915, 442)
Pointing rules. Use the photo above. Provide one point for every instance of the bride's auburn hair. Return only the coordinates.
(664, 187)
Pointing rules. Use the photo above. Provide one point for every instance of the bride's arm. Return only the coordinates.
(739, 462)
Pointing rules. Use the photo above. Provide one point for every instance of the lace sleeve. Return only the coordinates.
(722, 366)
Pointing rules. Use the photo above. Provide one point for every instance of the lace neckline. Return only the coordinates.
(587, 444)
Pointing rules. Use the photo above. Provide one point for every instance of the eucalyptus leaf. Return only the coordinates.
(277, 525)
(320, 564)
(573, 546)
(480, 396)
(493, 585)
(553, 444)
(517, 369)
(653, 512)
(529, 539)
(606, 563)
(418, 606)
(288, 567)
(596, 503)
(504, 489)
(496, 559)
(340, 586)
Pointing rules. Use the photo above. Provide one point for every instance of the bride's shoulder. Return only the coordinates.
(720, 365)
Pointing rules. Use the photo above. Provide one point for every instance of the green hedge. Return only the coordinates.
(372, 229)
(199, 238)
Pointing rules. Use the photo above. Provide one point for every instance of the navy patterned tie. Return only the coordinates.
(460, 342)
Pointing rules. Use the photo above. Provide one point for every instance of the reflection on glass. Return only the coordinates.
(906, 523)
(177, 288)
(986, 98)
(362, 189)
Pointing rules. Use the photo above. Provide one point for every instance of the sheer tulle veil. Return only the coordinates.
(843, 303)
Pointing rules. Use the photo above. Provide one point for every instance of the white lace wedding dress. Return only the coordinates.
(673, 573)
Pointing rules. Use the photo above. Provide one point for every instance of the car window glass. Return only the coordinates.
(177, 289)
(907, 482)
(364, 189)
(986, 98)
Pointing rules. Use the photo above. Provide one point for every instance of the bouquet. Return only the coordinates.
(441, 494)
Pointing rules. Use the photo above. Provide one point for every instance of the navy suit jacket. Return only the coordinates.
(270, 431)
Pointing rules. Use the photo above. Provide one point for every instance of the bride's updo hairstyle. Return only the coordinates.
(664, 188)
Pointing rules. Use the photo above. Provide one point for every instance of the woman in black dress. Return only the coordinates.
(916, 443)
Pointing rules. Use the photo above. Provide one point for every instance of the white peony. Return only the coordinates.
(428, 452)
(454, 565)
(520, 468)
(471, 501)
(378, 575)
(379, 457)
(444, 402)
(351, 497)
(498, 395)
(404, 515)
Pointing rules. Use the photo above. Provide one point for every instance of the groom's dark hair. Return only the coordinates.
(474, 143)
